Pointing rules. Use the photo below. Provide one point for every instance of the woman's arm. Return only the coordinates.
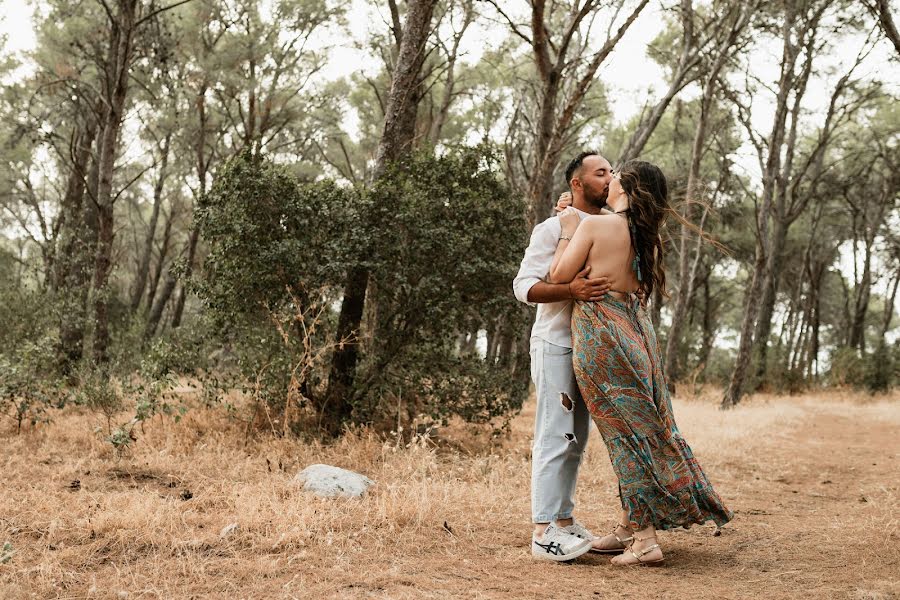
(571, 255)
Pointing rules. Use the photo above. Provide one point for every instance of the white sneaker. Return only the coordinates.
(558, 545)
(580, 531)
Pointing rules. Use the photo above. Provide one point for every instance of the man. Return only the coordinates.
(562, 421)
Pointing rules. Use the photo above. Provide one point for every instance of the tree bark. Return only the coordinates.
(687, 268)
(882, 11)
(160, 263)
(70, 279)
(117, 73)
(178, 311)
(140, 282)
(735, 389)
(396, 141)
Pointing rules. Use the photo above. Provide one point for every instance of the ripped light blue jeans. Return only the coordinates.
(561, 426)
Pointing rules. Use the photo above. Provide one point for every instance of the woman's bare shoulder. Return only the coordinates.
(605, 222)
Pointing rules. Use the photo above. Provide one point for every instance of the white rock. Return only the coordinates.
(328, 481)
(228, 530)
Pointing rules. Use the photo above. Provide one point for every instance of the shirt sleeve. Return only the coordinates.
(538, 258)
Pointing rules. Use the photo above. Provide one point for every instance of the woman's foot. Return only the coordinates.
(614, 542)
(642, 551)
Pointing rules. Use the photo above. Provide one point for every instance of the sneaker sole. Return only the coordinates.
(543, 555)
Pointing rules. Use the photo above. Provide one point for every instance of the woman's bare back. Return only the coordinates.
(611, 254)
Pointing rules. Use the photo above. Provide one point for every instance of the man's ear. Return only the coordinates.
(575, 184)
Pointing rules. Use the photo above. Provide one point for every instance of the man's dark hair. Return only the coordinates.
(576, 163)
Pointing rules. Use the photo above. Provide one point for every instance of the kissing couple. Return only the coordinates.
(594, 354)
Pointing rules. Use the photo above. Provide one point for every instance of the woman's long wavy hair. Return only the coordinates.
(648, 195)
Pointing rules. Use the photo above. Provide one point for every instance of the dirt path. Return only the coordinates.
(816, 518)
(813, 482)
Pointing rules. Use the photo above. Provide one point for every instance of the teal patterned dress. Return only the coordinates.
(617, 364)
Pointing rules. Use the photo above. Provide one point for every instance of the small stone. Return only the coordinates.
(228, 530)
(328, 481)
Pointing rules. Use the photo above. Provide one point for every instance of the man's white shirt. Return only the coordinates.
(553, 321)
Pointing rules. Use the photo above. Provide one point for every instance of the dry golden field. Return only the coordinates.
(813, 481)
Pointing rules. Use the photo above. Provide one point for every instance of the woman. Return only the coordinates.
(619, 370)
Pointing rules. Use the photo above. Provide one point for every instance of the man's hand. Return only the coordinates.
(586, 289)
(564, 202)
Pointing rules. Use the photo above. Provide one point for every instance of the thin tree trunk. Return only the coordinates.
(396, 141)
(188, 271)
(735, 389)
(140, 282)
(889, 305)
(159, 306)
(160, 263)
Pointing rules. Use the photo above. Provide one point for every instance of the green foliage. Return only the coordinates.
(269, 237)
(97, 392)
(28, 383)
(873, 371)
(441, 238)
(6, 553)
(446, 237)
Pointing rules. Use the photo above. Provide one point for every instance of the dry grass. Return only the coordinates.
(813, 481)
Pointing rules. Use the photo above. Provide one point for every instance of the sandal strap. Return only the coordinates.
(643, 552)
(625, 541)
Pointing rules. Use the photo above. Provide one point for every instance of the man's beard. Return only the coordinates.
(596, 199)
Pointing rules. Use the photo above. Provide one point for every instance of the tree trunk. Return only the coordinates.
(160, 263)
(709, 332)
(886, 20)
(396, 141)
(889, 305)
(71, 275)
(861, 304)
(735, 389)
(188, 271)
(687, 269)
(159, 306)
(767, 302)
(554, 121)
(140, 282)
(117, 73)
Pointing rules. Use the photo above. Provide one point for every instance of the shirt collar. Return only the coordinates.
(581, 213)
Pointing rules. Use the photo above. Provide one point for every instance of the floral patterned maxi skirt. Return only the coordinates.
(617, 364)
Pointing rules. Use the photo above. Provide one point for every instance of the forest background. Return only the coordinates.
(311, 211)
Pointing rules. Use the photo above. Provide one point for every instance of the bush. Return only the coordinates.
(28, 382)
(873, 371)
(441, 239)
(447, 236)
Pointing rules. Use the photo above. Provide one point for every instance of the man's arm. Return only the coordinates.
(529, 285)
(580, 288)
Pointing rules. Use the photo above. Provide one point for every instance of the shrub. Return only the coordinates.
(440, 237)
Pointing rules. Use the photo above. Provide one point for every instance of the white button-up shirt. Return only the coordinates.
(553, 321)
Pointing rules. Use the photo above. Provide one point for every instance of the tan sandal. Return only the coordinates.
(622, 541)
(644, 552)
